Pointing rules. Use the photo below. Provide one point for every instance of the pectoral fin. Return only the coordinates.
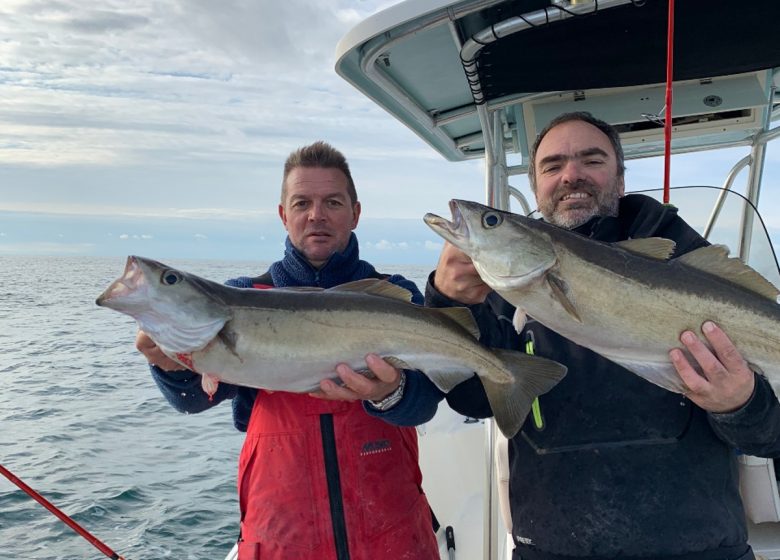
(558, 289)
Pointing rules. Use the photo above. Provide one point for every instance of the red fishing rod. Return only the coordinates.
(60, 514)
(668, 104)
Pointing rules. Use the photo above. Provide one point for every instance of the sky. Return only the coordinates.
(160, 127)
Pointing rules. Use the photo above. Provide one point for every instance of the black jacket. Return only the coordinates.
(621, 467)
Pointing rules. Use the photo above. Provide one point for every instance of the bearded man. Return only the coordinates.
(610, 465)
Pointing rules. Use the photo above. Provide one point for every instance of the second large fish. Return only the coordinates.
(624, 300)
(291, 339)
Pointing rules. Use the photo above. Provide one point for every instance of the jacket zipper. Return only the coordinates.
(334, 486)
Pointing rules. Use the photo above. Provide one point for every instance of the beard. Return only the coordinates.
(602, 202)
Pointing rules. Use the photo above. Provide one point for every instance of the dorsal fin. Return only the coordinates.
(715, 260)
(652, 247)
(300, 289)
(462, 316)
(376, 287)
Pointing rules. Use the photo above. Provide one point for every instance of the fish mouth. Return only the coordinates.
(127, 284)
(455, 231)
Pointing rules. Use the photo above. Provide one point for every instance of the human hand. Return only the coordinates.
(154, 355)
(457, 278)
(727, 382)
(356, 386)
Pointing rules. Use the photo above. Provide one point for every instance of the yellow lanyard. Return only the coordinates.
(536, 408)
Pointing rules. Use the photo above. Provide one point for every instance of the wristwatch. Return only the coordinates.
(393, 398)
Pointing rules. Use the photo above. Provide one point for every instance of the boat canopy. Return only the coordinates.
(480, 76)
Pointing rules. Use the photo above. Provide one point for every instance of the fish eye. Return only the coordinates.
(170, 277)
(491, 219)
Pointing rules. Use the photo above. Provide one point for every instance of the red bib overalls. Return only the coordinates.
(323, 480)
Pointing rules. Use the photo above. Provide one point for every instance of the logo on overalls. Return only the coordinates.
(377, 446)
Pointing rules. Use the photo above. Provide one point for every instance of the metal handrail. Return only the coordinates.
(739, 166)
(758, 151)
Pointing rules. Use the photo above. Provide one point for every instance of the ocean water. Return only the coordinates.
(82, 423)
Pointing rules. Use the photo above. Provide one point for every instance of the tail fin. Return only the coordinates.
(531, 376)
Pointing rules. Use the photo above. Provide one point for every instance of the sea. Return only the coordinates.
(83, 424)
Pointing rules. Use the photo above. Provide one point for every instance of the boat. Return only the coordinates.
(478, 79)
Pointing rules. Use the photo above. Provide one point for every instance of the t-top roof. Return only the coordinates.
(430, 63)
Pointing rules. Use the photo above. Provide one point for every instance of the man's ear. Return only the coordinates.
(622, 185)
(283, 215)
(356, 214)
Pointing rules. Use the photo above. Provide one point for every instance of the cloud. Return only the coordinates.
(169, 109)
(385, 245)
(106, 82)
(136, 236)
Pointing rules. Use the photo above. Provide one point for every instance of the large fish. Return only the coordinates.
(627, 300)
(290, 339)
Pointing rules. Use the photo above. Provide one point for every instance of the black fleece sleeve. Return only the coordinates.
(755, 428)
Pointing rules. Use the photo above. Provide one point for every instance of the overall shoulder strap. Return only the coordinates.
(263, 281)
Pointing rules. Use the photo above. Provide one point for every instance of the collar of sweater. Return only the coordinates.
(344, 266)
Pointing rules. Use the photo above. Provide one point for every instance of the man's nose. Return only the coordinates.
(572, 171)
(316, 212)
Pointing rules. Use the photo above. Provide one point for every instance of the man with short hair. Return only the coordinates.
(319, 479)
(618, 467)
